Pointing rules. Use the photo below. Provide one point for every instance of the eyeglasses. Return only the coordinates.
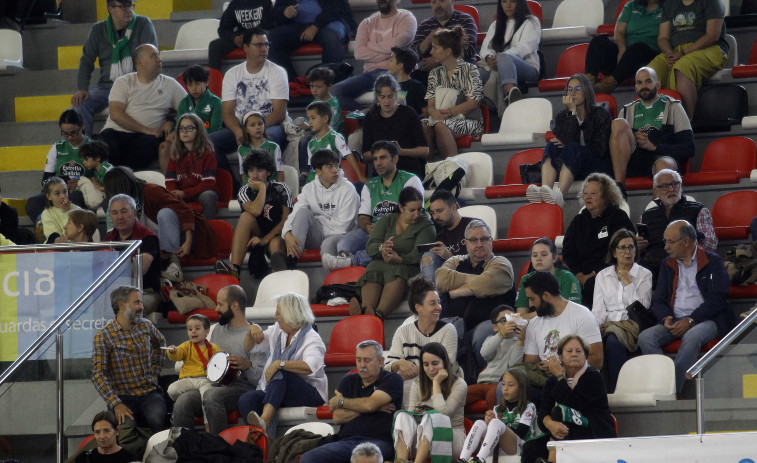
(669, 186)
(672, 242)
(576, 89)
(261, 44)
(629, 248)
(73, 133)
(122, 7)
(501, 320)
(483, 240)
(186, 128)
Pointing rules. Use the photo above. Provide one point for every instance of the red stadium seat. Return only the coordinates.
(726, 160)
(609, 29)
(214, 283)
(224, 235)
(535, 8)
(348, 333)
(471, 10)
(465, 141)
(747, 70)
(612, 105)
(224, 188)
(342, 275)
(673, 347)
(349, 172)
(511, 186)
(524, 230)
(572, 61)
(240, 433)
(732, 214)
(215, 82)
(86, 441)
(350, 125)
(476, 408)
(310, 255)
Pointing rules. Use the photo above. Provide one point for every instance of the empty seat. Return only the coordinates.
(11, 49)
(726, 160)
(214, 283)
(484, 213)
(150, 176)
(747, 70)
(523, 122)
(571, 61)
(575, 20)
(719, 107)
(525, 228)
(644, 380)
(347, 334)
(339, 276)
(224, 234)
(732, 214)
(512, 186)
(275, 284)
(192, 42)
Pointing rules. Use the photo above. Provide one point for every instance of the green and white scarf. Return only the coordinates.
(441, 442)
(121, 62)
(566, 414)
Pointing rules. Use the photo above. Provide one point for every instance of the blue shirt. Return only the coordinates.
(688, 296)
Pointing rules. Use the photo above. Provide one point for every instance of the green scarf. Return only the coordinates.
(565, 414)
(120, 62)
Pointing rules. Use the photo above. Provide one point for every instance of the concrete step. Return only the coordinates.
(29, 133)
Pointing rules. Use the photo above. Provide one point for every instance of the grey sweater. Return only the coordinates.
(500, 354)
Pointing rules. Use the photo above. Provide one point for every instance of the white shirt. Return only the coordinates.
(611, 298)
(688, 296)
(254, 92)
(544, 333)
(148, 104)
(311, 352)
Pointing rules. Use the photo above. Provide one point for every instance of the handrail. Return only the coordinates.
(131, 247)
(708, 356)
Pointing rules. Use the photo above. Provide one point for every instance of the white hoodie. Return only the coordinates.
(334, 208)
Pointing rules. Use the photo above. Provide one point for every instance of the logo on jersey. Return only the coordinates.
(71, 170)
(385, 207)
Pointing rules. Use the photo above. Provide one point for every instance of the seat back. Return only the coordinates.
(572, 60)
(215, 82)
(549, 224)
(224, 187)
(285, 281)
(11, 49)
(481, 169)
(523, 271)
(215, 282)
(350, 125)
(344, 275)
(753, 53)
(292, 179)
(733, 51)
(609, 102)
(621, 4)
(150, 176)
(732, 213)
(196, 34)
(224, 236)
(349, 172)
(730, 153)
(653, 373)
(471, 10)
(316, 427)
(485, 213)
(570, 13)
(535, 8)
(719, 107)
(529, 115)
(347, 334)
(529, 156)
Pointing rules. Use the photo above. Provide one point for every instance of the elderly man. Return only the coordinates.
(648, 128)
(671, 205)
(450, 232)
(363, 406)
(123, 212)
(140, 104)
(366, 453)
(690, 301)
(376, 35)
(111, 42)
(229, 335)
(444, 17)
(471, 285)
(126, 363)
(257, 84)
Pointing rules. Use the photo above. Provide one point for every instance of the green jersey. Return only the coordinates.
(650, 119)
(63, 160)
(334, 141)
(376, 199)
(208, 107)
(273, 149)
(99, 174)
(336, 121)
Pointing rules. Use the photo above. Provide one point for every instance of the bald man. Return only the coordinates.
(139, 105)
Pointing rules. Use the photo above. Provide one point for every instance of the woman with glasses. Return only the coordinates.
(63, 161)
(581, 144)
(617, 287)
(588, 235)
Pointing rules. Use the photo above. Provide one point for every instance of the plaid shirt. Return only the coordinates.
(126, 361)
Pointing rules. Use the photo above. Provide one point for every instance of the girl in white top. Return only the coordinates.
(437, 388)
(510, 49)
(57, 206)
(618, 286)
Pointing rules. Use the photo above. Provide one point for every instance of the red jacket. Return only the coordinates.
(192, 174)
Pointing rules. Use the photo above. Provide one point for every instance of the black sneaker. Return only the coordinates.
(292, 262)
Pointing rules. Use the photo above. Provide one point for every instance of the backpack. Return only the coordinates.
(741, 264)
(327, 292)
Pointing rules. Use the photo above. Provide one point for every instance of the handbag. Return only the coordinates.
(187, 296)
(641, 315)
(530, 173)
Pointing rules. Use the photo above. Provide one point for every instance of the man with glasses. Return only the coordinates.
(648, 128)
(671, 205)
(471, 285)
(690, 301)
(112, 42)
(257, 84)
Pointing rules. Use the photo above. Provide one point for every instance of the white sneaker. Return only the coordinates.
(532, 194)
(557, 194)
(332, 263)
(546, 194)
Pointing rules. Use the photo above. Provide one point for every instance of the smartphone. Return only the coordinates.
(426, 247)
(643, 230)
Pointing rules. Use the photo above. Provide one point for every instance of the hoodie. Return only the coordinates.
(334, 208)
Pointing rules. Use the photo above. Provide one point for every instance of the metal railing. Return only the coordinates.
(697, 370)
(132, 248)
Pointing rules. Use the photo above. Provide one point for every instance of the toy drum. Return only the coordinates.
(220, 372)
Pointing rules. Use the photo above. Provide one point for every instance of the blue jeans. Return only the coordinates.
(511, 69)
(430, 263)
(170, 235)
(354, 243)
(149, 410)
(652, 339)
(348, 90)
(97, 101)
(286, 38)
(616, 355)
(290, 391)
(341, 451)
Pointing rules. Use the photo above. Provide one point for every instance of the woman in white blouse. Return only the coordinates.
(510, 49)
(294, 374)
(617, 287)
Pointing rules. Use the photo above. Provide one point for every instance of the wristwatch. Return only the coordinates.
(691, 322)
(281, 364)
(340, 403)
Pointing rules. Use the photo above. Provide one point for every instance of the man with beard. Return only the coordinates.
(444, 16)
(228, 334)
(450, 232)
(126, 363)
(650, 127)
(556, 318)
(380, 196)
(363, 407)
(376, 35)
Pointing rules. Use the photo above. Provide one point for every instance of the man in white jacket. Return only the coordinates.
(325, 210)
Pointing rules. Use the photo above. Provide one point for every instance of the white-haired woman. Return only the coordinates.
(294, 371)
